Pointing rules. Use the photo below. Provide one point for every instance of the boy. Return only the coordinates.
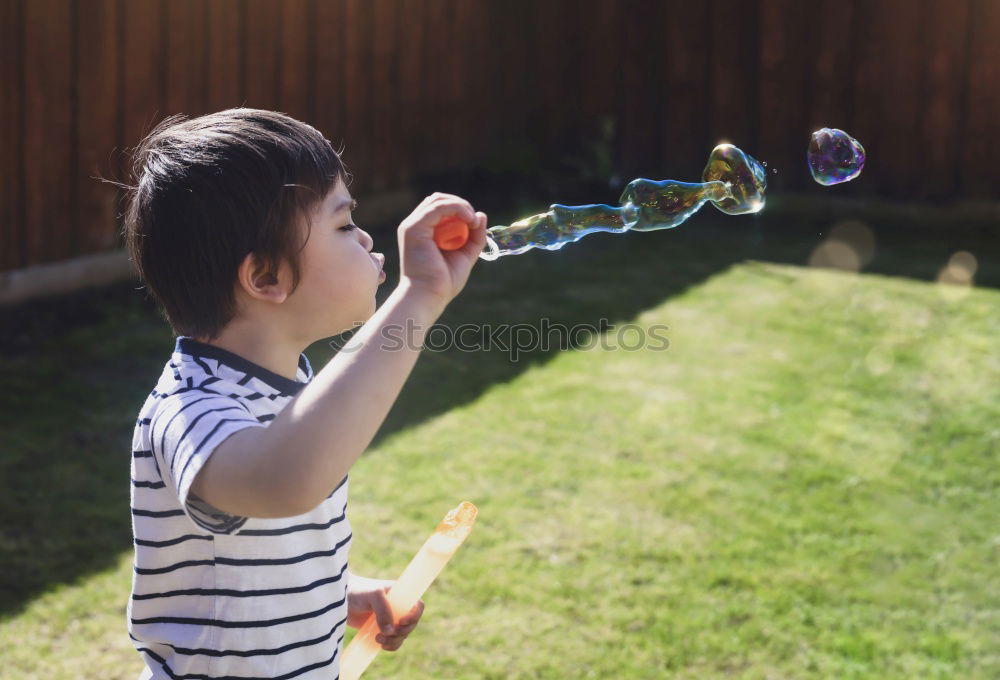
(240, 225)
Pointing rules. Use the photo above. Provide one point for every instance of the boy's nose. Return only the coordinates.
(367, 240)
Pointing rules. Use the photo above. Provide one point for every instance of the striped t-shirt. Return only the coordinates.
(215, 595)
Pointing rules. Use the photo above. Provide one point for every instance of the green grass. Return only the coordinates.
(804, 484)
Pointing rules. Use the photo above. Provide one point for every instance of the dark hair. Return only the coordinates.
(208, 191)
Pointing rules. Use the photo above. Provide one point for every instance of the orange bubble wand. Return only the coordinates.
(411, 585)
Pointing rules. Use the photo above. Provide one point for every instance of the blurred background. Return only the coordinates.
(804, 484)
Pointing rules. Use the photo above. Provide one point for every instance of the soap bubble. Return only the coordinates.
(834, 156)
(732, 180)
(745, 176)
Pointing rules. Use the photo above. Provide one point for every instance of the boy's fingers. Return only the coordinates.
(390, 645)
(449, 204)
(425, 221)
(389, 640)
(407, 624)
(403, 631)
(450, 198)
(410, 618)
(479, 226)
(477, 236)
(383, 614)
(437, 197)
(460, 209)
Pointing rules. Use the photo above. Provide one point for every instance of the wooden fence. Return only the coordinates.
(412, 86)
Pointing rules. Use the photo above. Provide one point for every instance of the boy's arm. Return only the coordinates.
(291, 466)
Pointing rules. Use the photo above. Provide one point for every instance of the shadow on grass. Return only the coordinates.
(77, 369)
(611, 278)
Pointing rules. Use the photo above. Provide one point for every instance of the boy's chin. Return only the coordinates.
(353, 325)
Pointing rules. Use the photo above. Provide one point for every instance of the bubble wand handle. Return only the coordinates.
(411, 585)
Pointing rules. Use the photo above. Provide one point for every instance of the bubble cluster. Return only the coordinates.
(732, 180)
(834, 156)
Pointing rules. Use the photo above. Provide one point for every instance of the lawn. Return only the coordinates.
(803, 484)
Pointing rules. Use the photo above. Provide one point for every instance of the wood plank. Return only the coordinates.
(640, 70)
(478, 86)
(511, 76)
(225, 54)
(733, 60)
(524, 82)
(12, 231)
(834, 43)
(465, 139)
(980, 151)
(599, 40)
(412, 119)
(358, 94)
(328, 83)
(263, 54)
(48, 131)
(834, 40)
(942, 80)
(438, 114)
(903, 39)
(869, 108)
(297, 59)
(144, 71)
(97, 126)
(186, 52)
(383, 79)
(686, 105)
(551, 61)
(451, 74)
(788, 44)
(472, 83)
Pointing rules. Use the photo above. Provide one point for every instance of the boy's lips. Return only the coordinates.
(379, 260)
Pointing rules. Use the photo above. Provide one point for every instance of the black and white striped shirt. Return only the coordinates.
(215, 595)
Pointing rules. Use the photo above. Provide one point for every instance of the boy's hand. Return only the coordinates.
(423, 265)
(366, 596)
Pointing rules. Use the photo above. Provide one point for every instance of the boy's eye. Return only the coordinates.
(349, 227)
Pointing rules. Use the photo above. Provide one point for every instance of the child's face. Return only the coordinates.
(339, 273)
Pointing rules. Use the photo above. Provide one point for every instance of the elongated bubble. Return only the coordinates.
(834, 156)
(734, 182)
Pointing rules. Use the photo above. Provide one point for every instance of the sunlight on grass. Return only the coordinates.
(71, 628)
(754, 500)
(802, 485)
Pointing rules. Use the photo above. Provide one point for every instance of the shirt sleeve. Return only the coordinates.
(306, 366)
(185, 432)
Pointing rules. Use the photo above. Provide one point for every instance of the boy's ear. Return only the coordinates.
(260, 284)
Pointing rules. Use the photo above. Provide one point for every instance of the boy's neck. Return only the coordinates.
(267, 349)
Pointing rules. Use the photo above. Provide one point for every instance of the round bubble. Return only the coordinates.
(834, 156)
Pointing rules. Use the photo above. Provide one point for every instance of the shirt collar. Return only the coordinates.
(192, 347)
